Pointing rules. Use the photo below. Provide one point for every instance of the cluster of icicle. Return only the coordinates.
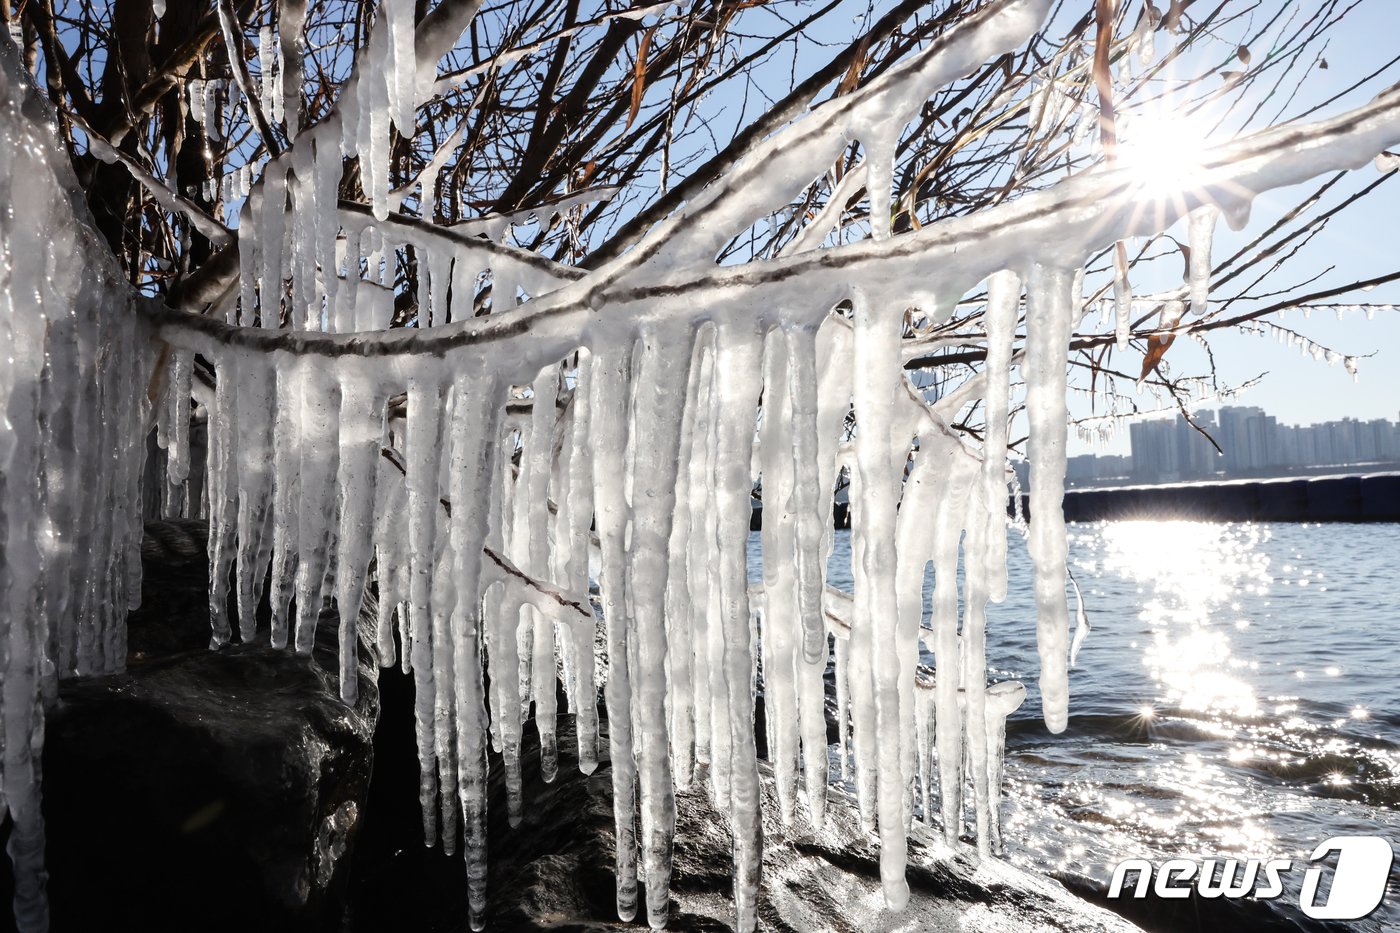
(478, 521)
(74, 366)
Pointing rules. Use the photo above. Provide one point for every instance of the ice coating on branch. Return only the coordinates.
(786, 162)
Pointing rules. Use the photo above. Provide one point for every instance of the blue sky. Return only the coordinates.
(1356, 244)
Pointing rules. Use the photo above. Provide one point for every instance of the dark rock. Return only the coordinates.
(205, 790)
(555, 871)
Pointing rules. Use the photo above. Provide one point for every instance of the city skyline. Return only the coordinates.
(1252, 442)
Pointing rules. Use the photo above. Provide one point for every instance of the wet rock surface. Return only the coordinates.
(555, 870)
(205, 790)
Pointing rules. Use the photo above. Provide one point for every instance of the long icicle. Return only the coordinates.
(424, 450)
(738, 351)
(1048, 326)
(879, 463)
(658, 397)
(474, 430)
(610, 374)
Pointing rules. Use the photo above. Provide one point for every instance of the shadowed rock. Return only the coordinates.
(205, 790)
(555, 871)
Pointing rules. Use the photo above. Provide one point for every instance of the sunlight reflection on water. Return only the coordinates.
(1191, 574)
(1235, 698)
(1228, 703)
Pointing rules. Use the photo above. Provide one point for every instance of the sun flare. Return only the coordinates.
(1163, 149)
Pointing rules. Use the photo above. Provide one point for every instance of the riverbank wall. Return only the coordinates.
(1372, 497)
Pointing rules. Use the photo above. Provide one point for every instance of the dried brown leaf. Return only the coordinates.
(1156, 349)
(639, 77)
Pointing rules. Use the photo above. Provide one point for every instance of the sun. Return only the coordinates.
(1163, 149)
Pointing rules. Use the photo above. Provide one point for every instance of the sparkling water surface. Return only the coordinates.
(1237, 696)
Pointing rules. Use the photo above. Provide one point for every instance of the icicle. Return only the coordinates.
(271, 240)
(879, 465)
(539, 449)
(583, 630)
(518, 627)
(879, 161)
(372, 124)
(700, 537)
(1201, 228)
(427, 200)
(1144, 38)
(1081, 623)
(1048, 333)
(658, 398)
(1122, 301)
(400, 73)
(609, 390)
(266, 55)
(421, 478)
(318, 427)
(930, 524)
(807, 493)
(680, 616)
(1003, 699)
(213, 116)
(1003, 310)
(473, 432)
(361, 432)
(737, 354)
(178, 397)
(255, 489)
(712, 643)
(782, 626)
(286, 498)
(440, 274)
(391, 554)
(444, 691)
(222, 495)
(291, 20)
(275, 99)
(925, 722)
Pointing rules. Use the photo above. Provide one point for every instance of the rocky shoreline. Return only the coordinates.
(232, 790)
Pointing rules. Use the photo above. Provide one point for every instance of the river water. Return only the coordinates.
(1237, 697)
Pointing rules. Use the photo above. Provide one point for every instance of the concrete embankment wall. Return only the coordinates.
(1371, 498)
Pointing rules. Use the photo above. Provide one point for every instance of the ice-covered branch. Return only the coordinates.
(234, 42)
(212, 230)
(1068, 220)
(785, 163)
(544, 596)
